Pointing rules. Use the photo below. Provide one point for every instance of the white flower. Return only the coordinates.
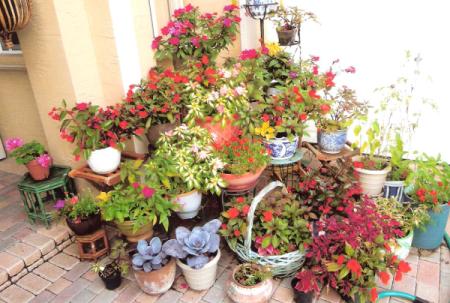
(240, 90)
(223, 90)
(203, 155)
(213, 96)
(195, 148)
(226, 74)
(321, 233)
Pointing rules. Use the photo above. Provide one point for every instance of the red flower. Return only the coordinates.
(267, 216)
(135, 185)
(350, 69)
(373, 295)
(248, 54)
(82, 106)
(384, 277)
(264, 50)
(143, 114)
(174, 41)
(404, 267)
(265, 117)
(205, 59)
(123, 124)
(303, 116)
(139, 131)
(354, 267)
(340, 260)
(251, 160)
(398, 276)
(240, 199)
(148, 192)
(195, 41)
(313, 94)
(227, 22)
(233, 213)
(358, 164)
(245, 210)
(155, 42)
(229, 8)
(236, 232)
(315, 70)
(315, 58)
(176, 98)
(325, 108)
(223, 226)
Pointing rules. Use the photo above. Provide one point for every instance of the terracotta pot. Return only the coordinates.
(86, 225)
(286, 36)
(143, 233)
(242, 182)
(155, 131)
(203, 278)
(104, 161)
(157, 281)
(219, 133)
(372, 181)
(37, 172)
(188, 204)
(259, 293)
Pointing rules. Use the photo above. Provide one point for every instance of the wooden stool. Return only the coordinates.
(93, 246)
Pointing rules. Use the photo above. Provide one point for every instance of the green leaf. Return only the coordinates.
(349, 250)
(332, 267)
(343, 273)
(266, 242)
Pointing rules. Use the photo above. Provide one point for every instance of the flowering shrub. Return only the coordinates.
(242, 155)
(278, 226)
(191, 34)
(349, 251)
(93, 127)
(27, 152)
(77, 207)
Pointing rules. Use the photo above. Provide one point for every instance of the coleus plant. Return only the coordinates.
(350, 251)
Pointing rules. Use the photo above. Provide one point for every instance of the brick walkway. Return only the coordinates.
(40, 265)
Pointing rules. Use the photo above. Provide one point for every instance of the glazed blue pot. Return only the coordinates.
(282, 148)
(433, 233)
(394, 189)
(331, 142)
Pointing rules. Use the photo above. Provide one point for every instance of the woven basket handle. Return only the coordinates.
(251, 213)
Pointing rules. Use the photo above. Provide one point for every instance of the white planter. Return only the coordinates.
(104, 161)
(372, 181)
(188, 204)
(203, 278)
(404, 246)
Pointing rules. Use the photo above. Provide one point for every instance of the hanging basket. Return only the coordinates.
(14, 15)
(285, 265)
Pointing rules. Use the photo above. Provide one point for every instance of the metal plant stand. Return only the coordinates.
(227, 195)
(286, 170)
(259, 12)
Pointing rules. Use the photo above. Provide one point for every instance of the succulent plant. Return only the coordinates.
(150, 255)
(195, 246)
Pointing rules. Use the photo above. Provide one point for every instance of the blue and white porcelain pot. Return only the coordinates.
(331, 142)
(282, 148)
(394, 189)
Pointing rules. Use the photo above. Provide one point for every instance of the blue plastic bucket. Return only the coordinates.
(432, 234)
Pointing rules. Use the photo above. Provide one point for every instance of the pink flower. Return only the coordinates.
(227, 22)
(135, 185)
(315, 58)
(350, 69)
(82, 106)
(148, 192)
(195, 41)
(220, 108)
(174, 41)
(156, 41)
(44, 160)
(13, 143)
(248, 54)
(229, 8)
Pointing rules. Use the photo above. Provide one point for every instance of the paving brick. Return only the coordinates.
(430, 255)
(125, 283)
(22, 273)
(23, 232)
(90, 275)
(57, 232)
(444, 293)
(43, 297)
(33, 283)
(43, 243)
(72, 250)
(193, 296)
(83, 297)
(223, 279)
(427, 292)
(15, 294)
(77, 271)
(146, 298)
(284, 294)
(49, 271)
(5, 285)
(97, 286)
(180, 284)
(406, 284)
(59, 285)
(3, 276)
(214, 294)
(51, 254)
(64, 261)
(106, 296)
(445, 260)
(29, 254)
(64, 244)
(11, 264)
(330, 295)
(170, 296)
(428, 273)
(71, 291)
(129, 294)
(35, 264)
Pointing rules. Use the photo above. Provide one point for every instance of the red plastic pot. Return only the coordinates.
(242, 182)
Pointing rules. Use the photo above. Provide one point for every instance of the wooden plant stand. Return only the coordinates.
(93, 246)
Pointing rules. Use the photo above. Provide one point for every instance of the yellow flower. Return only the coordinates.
(274, 48)
(103, 196)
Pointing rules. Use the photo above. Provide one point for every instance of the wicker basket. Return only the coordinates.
(282, 265)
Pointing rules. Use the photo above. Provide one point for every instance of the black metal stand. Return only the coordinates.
(226, 195)
(261, 15)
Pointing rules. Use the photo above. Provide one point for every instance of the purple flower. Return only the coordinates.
(227, 22)
(13, 143)
(135, 185)
(148, 192)
(293, 75)
(59, 204)
(44, 160)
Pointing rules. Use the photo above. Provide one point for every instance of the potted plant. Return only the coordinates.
(112, 273)
(191, 34)
(288, 21)
(408, 217)
(193, 167)
(32, 155)
(135, 208)
(197, 253)
(154, 270)
(428, 184)
(99, 133)
(245, 160)
(250, 283)
(350, 251)
(81, 212)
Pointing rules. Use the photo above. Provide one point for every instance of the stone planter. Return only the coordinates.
(37, 172)
(259, 293)
(331, 142)
(282, 148)
(203, 278)
(372, 181)
(155, 131)
(85, 226)
(144, 232)
(237, 183)
(432, 234)
(104, 161)
(157, 281)
(188, 204)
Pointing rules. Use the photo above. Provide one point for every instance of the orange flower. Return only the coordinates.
(354, 267)
(237, 233)
(267, 216)
(384, 277)
(373, 295)
(233, 212)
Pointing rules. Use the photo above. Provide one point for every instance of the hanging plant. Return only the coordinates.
(14, 15)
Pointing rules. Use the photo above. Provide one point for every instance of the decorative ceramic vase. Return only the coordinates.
(331, 142)
(299, 296)
(144, 232)
(282, 148)
(157, 281)
(188, 204)
(432, 234)
(202, 278)
(394, 189)
(237, 183)
(286, 36)
(85, 226)
(404, 246)
(218, 132)
(372, 181)
(104, 161)
(259, 293)
(155, 131)
(38, 172)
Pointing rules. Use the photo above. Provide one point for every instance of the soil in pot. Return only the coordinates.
(111, 276)
(157, 281)
(37, 172)
(85, 226)
(299, 296)
(258, 293)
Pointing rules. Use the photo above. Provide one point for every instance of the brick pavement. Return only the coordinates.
(40, 265)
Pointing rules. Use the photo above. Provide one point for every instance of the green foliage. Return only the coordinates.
(250, 274)
(79, 207)
(290, 17)
(401, 167)
(28, 152)
(118, 258)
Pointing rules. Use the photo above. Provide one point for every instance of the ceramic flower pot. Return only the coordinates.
(144, 232)
(299, 296)
(259, 293)
(286, 36)
(104, 161)
(331, 142)
(282, 148)
(394, 189)
(203, 278)
(432, 234)
(157, 281)
(188, 204)
(85, 226)
(155, 131)
(37, 172)
(237, 183)
(404, 246)
(372, 181)
(218, 132)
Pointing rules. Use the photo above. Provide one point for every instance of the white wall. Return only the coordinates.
(373, 36)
